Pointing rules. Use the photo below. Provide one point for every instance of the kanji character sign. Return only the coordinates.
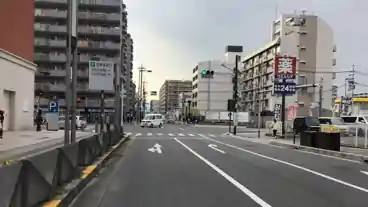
(285, 67)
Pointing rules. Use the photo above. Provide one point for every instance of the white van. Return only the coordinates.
(153, 120)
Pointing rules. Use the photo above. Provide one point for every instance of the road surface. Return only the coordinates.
(202, 167)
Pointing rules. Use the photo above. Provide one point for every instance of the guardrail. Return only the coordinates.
(360, 134)
(34, 180)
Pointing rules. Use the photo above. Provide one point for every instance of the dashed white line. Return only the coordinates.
(182, 135)
(292, 165)
(241, 187)
(149, 134)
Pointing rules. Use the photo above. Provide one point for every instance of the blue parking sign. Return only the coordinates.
(53, 106)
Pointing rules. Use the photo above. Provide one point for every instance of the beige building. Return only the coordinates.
(169, 93)
(16, 91)
(306, 37)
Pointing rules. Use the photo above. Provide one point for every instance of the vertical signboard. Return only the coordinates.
(277, 112)
(292, 112)
(101, 75)
(285, 67)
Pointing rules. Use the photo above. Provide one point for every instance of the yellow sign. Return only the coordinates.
(329, 129)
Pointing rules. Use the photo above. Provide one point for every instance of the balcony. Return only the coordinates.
(99, 16)
(50, 57)
(49, 28)
(87, 58)
(49, 42)
(50, 13)
(59, 73)
(48, 87)
(98, 45)
(51, 1)
(100, 3)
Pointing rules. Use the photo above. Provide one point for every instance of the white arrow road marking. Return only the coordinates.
(149, 134)
(156, 148)
(171, 134)
(214, 146)
(191, 135)
(241, 187)
(182, 135)
(159, 134)
(138, 134)
(364, 172)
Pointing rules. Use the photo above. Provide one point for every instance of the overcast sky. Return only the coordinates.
(171, 36)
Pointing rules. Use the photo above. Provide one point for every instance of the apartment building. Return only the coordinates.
(100, 25)
(307, 37)
(169, 93)
(212, 94)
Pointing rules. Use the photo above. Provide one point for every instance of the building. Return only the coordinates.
(212, 94)
(100, 25)
(169, 92)
(16, 99)
(16, 35)
(155, 106)
(306, 37)
(129, 87)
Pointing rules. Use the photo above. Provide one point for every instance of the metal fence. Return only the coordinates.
(34, 180)
(355, 135)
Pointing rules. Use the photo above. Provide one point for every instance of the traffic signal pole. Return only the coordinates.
(68, 74)
(235, 93)
(75, 71)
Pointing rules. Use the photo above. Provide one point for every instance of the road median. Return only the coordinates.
(338, 154)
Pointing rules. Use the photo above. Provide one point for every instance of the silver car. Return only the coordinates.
(345, 129)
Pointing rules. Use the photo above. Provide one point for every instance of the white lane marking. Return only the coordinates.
(138, 134)
(214, 146)
(293, 165)
(364, 172)
(211, 135)
(170, 134)
(191, 135)
(156, 148)
(181, 129)
(182, 135)
(241, 187)
(149, 134)
(159, 134)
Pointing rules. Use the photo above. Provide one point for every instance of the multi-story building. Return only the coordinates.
(169, 93)
(212, 94)
(310, 40)
(101, 26)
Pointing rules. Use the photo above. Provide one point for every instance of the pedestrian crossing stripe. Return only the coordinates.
(149, 134)
(191, 135)
(182, 135)
(171, 134)
(159, 134)
(138, 134)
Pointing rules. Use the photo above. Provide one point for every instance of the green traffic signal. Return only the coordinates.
(204, 72)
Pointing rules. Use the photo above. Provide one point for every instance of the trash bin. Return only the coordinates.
(329, 141)
(308, 138)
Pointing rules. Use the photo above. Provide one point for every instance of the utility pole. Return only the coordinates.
(140, 93)
(209, 89)
(68, 74)
(353, 88)
(74, 71)
(320, 97)
(235, 93)
(259, 107)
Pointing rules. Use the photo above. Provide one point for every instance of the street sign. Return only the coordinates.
(285, 67)
(277, 112)
(285, 88)
(101, 75)
(292, 112)
(53, 106)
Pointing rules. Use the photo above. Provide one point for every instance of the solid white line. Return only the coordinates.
(149, 134)
(241, 187)
(293, 165)
(214, 146)
(364, 172)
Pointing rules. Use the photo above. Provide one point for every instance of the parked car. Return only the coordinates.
(81, 123)
(345, 129)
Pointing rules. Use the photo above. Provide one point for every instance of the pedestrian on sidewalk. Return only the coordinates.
(1, 123)
(39, 120)
(275, 126)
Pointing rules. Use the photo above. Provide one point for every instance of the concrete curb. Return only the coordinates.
(349, 156)
(71, 190)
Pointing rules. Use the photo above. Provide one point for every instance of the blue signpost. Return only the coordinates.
(52, 116)
(287, 88)
(53, 107)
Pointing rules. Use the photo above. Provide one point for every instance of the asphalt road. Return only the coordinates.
(187, 166)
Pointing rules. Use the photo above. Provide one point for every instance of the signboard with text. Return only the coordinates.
(101, 75)
(285, 67)
(292, 112)
(277, 112)
(285, 88)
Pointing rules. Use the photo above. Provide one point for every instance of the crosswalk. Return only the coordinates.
(169, 134)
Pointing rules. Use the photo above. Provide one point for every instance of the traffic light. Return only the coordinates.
(207, 73)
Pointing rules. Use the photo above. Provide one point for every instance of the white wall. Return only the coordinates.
(17, 75)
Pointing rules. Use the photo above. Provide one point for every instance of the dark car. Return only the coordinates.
(307, 123)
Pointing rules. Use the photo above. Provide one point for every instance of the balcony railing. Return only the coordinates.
(99, 30)
(50, 57)
(98, 16)
(51, 1)
(49, 42)
(50, 13)
(49, 28)
(99, 45)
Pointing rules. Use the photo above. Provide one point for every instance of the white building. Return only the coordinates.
(211, 94)
(306, 37)
(16, 91)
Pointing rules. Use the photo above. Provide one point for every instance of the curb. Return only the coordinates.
(72, 189)
(345, 155)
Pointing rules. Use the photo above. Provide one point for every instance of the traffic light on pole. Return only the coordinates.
(207, 73)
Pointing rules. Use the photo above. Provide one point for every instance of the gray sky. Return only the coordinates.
(171, 36)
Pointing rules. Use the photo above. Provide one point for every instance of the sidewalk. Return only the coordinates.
(289, 142)
(17, 144)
